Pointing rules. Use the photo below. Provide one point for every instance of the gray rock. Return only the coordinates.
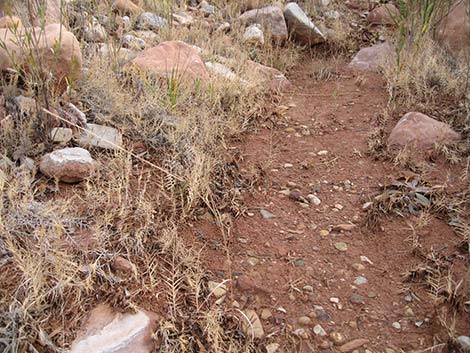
(253, 35)
(464, 342)
(100, 136)
(148, 20)
(370, 58)
(266, 214)
(356, 299)
(319, 331)
(61, 134)
(360, 280)
(207, 9)
(132, 42)
(270, 18)
(301, 27)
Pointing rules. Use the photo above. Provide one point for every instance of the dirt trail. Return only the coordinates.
(290, 264)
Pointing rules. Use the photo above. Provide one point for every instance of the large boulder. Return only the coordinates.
(69, 165)
(370, 58)
(174, 58)
(57, 50)
(270, 18)
(301, 27)
(383, 15)
(421, 132)
(454, 29)
(106, 330)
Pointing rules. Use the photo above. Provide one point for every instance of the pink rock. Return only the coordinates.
(454, 29)
(271, 18)
(275, 79)
(108, 331)
(369, 59)
(421, 132)
(172, 58)
(383, 15)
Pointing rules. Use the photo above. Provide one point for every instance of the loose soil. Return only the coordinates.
(289, 263)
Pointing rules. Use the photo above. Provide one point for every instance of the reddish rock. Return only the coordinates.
(172, 58)
(126, 7)
(420, 131)
(10, 22)
(69, 165)
(64, 64)
(454, 29)
(370, 58)
(352, 345)
(106, 330)
(383, 15)
(359, 4)
(271, 18)
(274, 79)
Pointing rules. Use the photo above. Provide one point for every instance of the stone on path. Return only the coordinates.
(108, 331)
(352, 345)
(421, 132)
(301, 27)
(370, 58)
(69, 165)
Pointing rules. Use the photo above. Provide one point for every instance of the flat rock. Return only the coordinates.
(352, 345)
(172, 58)
(148, 20)
(61, 134)
(270, 18)
(421, 132)
(383, 15)
(370, 58)
(301, 27)
(100, 136)
(69, 165)
(108, 331)
(253, 328)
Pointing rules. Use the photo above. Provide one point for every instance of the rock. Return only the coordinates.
(224, 27)
(409, 312)
(126, 7)
(61, 134)
(341, 246)
(69, 165)
(130, 41)
(268, 76)
(100, 136)
(358, 267)
(221, 71)
(207, 9)
(183, 18)
(337, 337)
(64, 65)
(352, 345)
(304, 321)
(464, 342)
(272, 347)
(147, 36)
(253, 328)
(389, 350)
(383, 15)
(454, 29)
(172, 58)
(370, 58)
(421, 132)
(313, 200)
(148, 20)
(10, 22)
(344, 227)
(359, 4)
(121, 264)
(266, 314)
(324, 233)
(356, 299)
(266, 214)
(301, 27)
(94, 32)
(396, 325)
(218, 289)
(253, 35)
(106, 330)
(334, 300)
(319, 331)
(270, 18)
(360, 281)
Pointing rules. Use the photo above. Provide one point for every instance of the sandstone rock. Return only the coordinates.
(121, 264)
(108, 331)
(454, 29)
(172, 58)
(270, 18)
(63, 64)
(383, 15)
(370, 58)
(352, 345)
(253, 35)
(100, 136)
(301, 27)
(253, 328)
(10, 22)
(126, 7)
(272, 78)
(148, 20)
(61, 134)
(421, 132)
(69, 165)
(130, 41)
(183, 18)
(221, 71)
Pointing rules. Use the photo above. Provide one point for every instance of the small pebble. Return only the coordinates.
(334, 300)
(266, 214)
(304, 321)
(336, 337)
(409, 312)
(319, 331)
(360, 280)
(356, 299)
(324, 233)
(396, 325)
(341, 246)
(322, 153)
(358, 267)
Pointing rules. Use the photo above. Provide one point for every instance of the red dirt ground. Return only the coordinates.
(289, 250)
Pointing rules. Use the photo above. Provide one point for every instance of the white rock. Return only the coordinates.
(148, 20)
(132, 42)
(221, 71)
(253, 35)
(61, 134)
(100, 136)
(301, 27)
(319, 331)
